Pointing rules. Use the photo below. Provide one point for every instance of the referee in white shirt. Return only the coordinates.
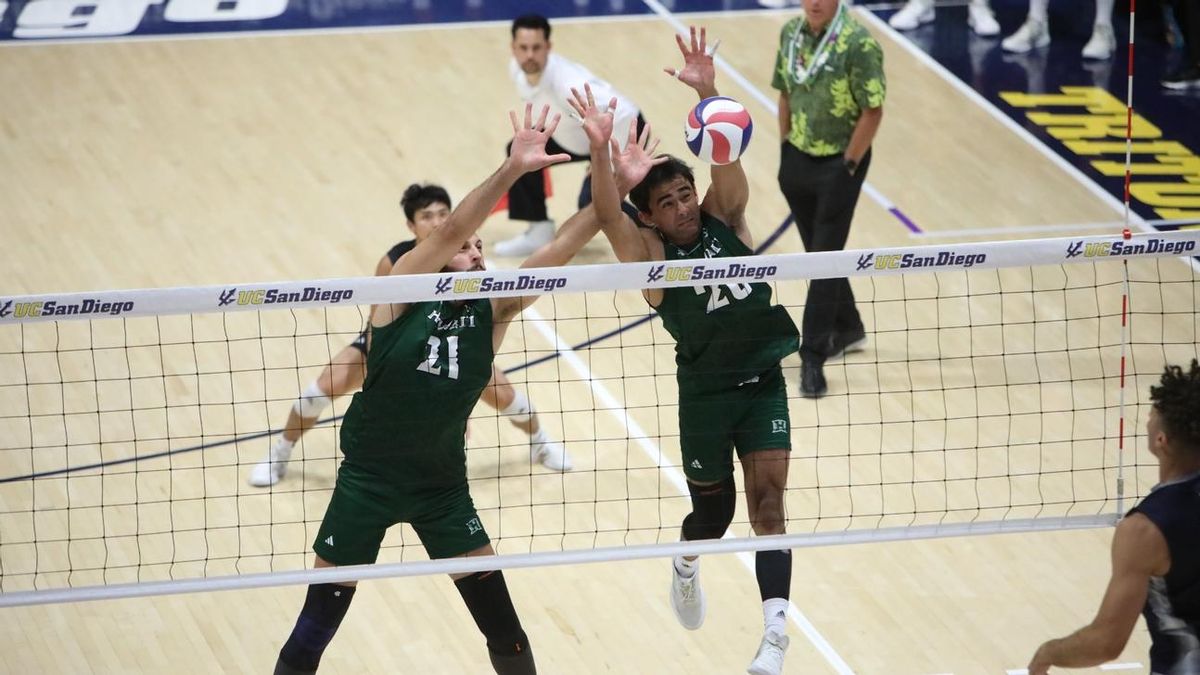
(544, 78)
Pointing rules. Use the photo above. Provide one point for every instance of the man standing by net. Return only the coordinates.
(403, 433)
(426, 208)
(829, 73)
(729, 341)
(1155, 550)
(545, 78)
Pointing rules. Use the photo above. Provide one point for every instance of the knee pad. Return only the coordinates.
(487, 598)
(311, 402)
(713, 507)
(324, 608)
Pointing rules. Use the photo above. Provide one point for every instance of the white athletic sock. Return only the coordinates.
(282, 446)
(1104, 11)
(520, 410)
(539, 437)
(775, 615)
(686, 568)
(312, 401)
(1037, 9)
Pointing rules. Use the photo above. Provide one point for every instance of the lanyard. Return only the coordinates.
(800, 73)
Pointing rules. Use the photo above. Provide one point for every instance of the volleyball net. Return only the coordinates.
(1003, 389)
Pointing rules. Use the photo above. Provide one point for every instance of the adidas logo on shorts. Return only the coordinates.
(696, 464)
(329, 541)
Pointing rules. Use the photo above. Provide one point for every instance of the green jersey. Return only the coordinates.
(725, 334)
(425, 372)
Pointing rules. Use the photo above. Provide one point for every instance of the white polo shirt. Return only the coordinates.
(554, 88)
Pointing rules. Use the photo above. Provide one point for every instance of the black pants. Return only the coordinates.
(1187, 15)
(822, 195)
(527, 197)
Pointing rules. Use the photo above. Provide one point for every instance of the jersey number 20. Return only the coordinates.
(717, 300)
(430, 364)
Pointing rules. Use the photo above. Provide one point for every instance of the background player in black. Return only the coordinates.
(421, 478)
(426, 207)
(1155, 550)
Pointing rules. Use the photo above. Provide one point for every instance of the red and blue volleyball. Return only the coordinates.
(718, 130)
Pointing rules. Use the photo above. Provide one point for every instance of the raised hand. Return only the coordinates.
(597, 122)
(634, 162)
(529, 141)
(698, 72)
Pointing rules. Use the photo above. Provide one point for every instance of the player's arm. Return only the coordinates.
(1139, 552)
(579, 229)
(382, 269)
(630, 243)
(431, 255)
(729, 192)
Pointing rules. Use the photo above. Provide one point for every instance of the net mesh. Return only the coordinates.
(987, 392)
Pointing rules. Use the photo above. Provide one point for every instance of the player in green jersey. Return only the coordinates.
(729, 343)
(402, 436)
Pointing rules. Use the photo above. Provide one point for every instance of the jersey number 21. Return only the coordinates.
(430, 364)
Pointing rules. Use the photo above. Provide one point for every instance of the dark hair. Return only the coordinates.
(418, 196)
(534, 21)
(663, 173)
(1177, 400)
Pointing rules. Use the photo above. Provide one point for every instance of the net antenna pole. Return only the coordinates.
(1125, 267)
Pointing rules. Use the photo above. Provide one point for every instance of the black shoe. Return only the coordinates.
(1183, 77)
(844, 343)
(812, 380)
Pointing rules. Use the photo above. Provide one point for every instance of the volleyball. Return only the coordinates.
(718, 130)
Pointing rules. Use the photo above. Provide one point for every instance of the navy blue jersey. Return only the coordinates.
(1172, 608)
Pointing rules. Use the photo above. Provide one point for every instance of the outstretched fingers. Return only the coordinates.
(549, 128)
(577, 103)
(683, 47)
(541, 123)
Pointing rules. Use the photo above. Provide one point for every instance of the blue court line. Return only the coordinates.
(767, 243)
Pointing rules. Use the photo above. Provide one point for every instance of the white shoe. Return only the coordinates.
(915, 13)
(769, 659)
(539, 234)
(687, 599)
(1102, 45)
(981, 19)
(1032, 34)
(551, 455)
(272, 469)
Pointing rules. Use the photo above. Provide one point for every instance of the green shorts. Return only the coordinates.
(364, 505)
(750, 417)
